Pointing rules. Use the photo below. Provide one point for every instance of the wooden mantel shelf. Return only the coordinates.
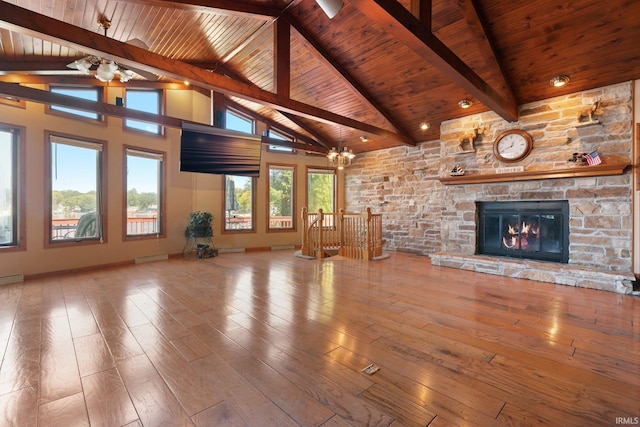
(574, 172)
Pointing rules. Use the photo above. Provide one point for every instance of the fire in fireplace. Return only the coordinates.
(524, 229)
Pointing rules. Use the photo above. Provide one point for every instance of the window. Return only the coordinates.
(239, 198)
(144, 194)
(75, 190)
(281, 197)
(239, 191)
(11, 196)
(89, 93)
(147, 100)
(274, 134)
(238, 121)
(321, 190)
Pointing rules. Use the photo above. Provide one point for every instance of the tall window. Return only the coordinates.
(90, 93)
(238, 203)
(239, 191)
(144, 184)
(76, 190)
(147, 100)
(9, 191)
(281, 197)
(321, 190)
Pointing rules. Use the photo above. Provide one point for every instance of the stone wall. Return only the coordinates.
(423, 216)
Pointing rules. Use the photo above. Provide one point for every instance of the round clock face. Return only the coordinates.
(512, 145)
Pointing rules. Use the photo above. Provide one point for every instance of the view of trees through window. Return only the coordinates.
(321, 190)
(281, 179)
(238, 203)
(75, 196)
(8, 190)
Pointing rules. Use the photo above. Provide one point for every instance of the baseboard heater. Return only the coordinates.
(11, 278)
(229, 250)
(282, 247)
(151, 258)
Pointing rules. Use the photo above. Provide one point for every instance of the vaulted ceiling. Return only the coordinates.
(378, 69)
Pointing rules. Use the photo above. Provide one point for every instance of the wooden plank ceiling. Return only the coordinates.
(378, 69)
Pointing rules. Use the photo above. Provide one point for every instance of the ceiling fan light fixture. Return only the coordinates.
(559, 81)
(465, 103)
(83, 65)
(330, 7)
(125, 75)
(106, 71)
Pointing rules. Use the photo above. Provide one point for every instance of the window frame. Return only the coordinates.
(19, 191)
(162, 204)
(100, 119)
(161, 109)
(254, 184)
(283, 136)
(328, 171)
(232, 111)
(282, 166)
(50, 243)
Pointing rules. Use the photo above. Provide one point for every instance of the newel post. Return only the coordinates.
(369, 247)
(305, 231)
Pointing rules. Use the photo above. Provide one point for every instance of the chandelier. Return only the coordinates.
(341, 157)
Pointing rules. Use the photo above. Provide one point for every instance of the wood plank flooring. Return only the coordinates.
(268, 339)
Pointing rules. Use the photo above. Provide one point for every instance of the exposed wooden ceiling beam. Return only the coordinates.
(282, 57)
(394, 18)
(273, 124)
(480, 35)
(19, 92)
(358, 89)
(21, 20)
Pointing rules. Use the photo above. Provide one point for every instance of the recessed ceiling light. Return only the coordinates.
(559, 81)
(465, 103)
(364, 138)
(424, 125)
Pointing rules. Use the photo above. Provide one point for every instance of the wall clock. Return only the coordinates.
(512, 145)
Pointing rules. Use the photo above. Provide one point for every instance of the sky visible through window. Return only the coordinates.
(74, 169)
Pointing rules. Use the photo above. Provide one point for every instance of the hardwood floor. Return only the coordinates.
(268, 339)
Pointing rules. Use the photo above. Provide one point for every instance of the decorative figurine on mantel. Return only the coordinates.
(585, 159)
(457, 171)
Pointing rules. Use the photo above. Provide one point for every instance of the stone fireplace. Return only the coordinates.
(428, 212)
(537, 230)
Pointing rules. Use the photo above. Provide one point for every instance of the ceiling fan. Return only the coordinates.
(105, 70)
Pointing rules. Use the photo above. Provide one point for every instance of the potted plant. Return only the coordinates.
(200, 224)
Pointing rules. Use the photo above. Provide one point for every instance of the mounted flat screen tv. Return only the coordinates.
(206, 149)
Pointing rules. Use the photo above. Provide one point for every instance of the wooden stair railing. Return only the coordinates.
(352, 234)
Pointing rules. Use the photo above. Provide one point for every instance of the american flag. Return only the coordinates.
(593, 158)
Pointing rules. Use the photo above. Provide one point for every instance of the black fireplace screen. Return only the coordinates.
(524, 229)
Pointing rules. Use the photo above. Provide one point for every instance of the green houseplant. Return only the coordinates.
(200, 224)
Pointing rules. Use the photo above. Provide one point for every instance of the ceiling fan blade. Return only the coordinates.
(146, 74)
(137, 43)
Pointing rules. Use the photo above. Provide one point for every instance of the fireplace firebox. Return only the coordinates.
(537, 230)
